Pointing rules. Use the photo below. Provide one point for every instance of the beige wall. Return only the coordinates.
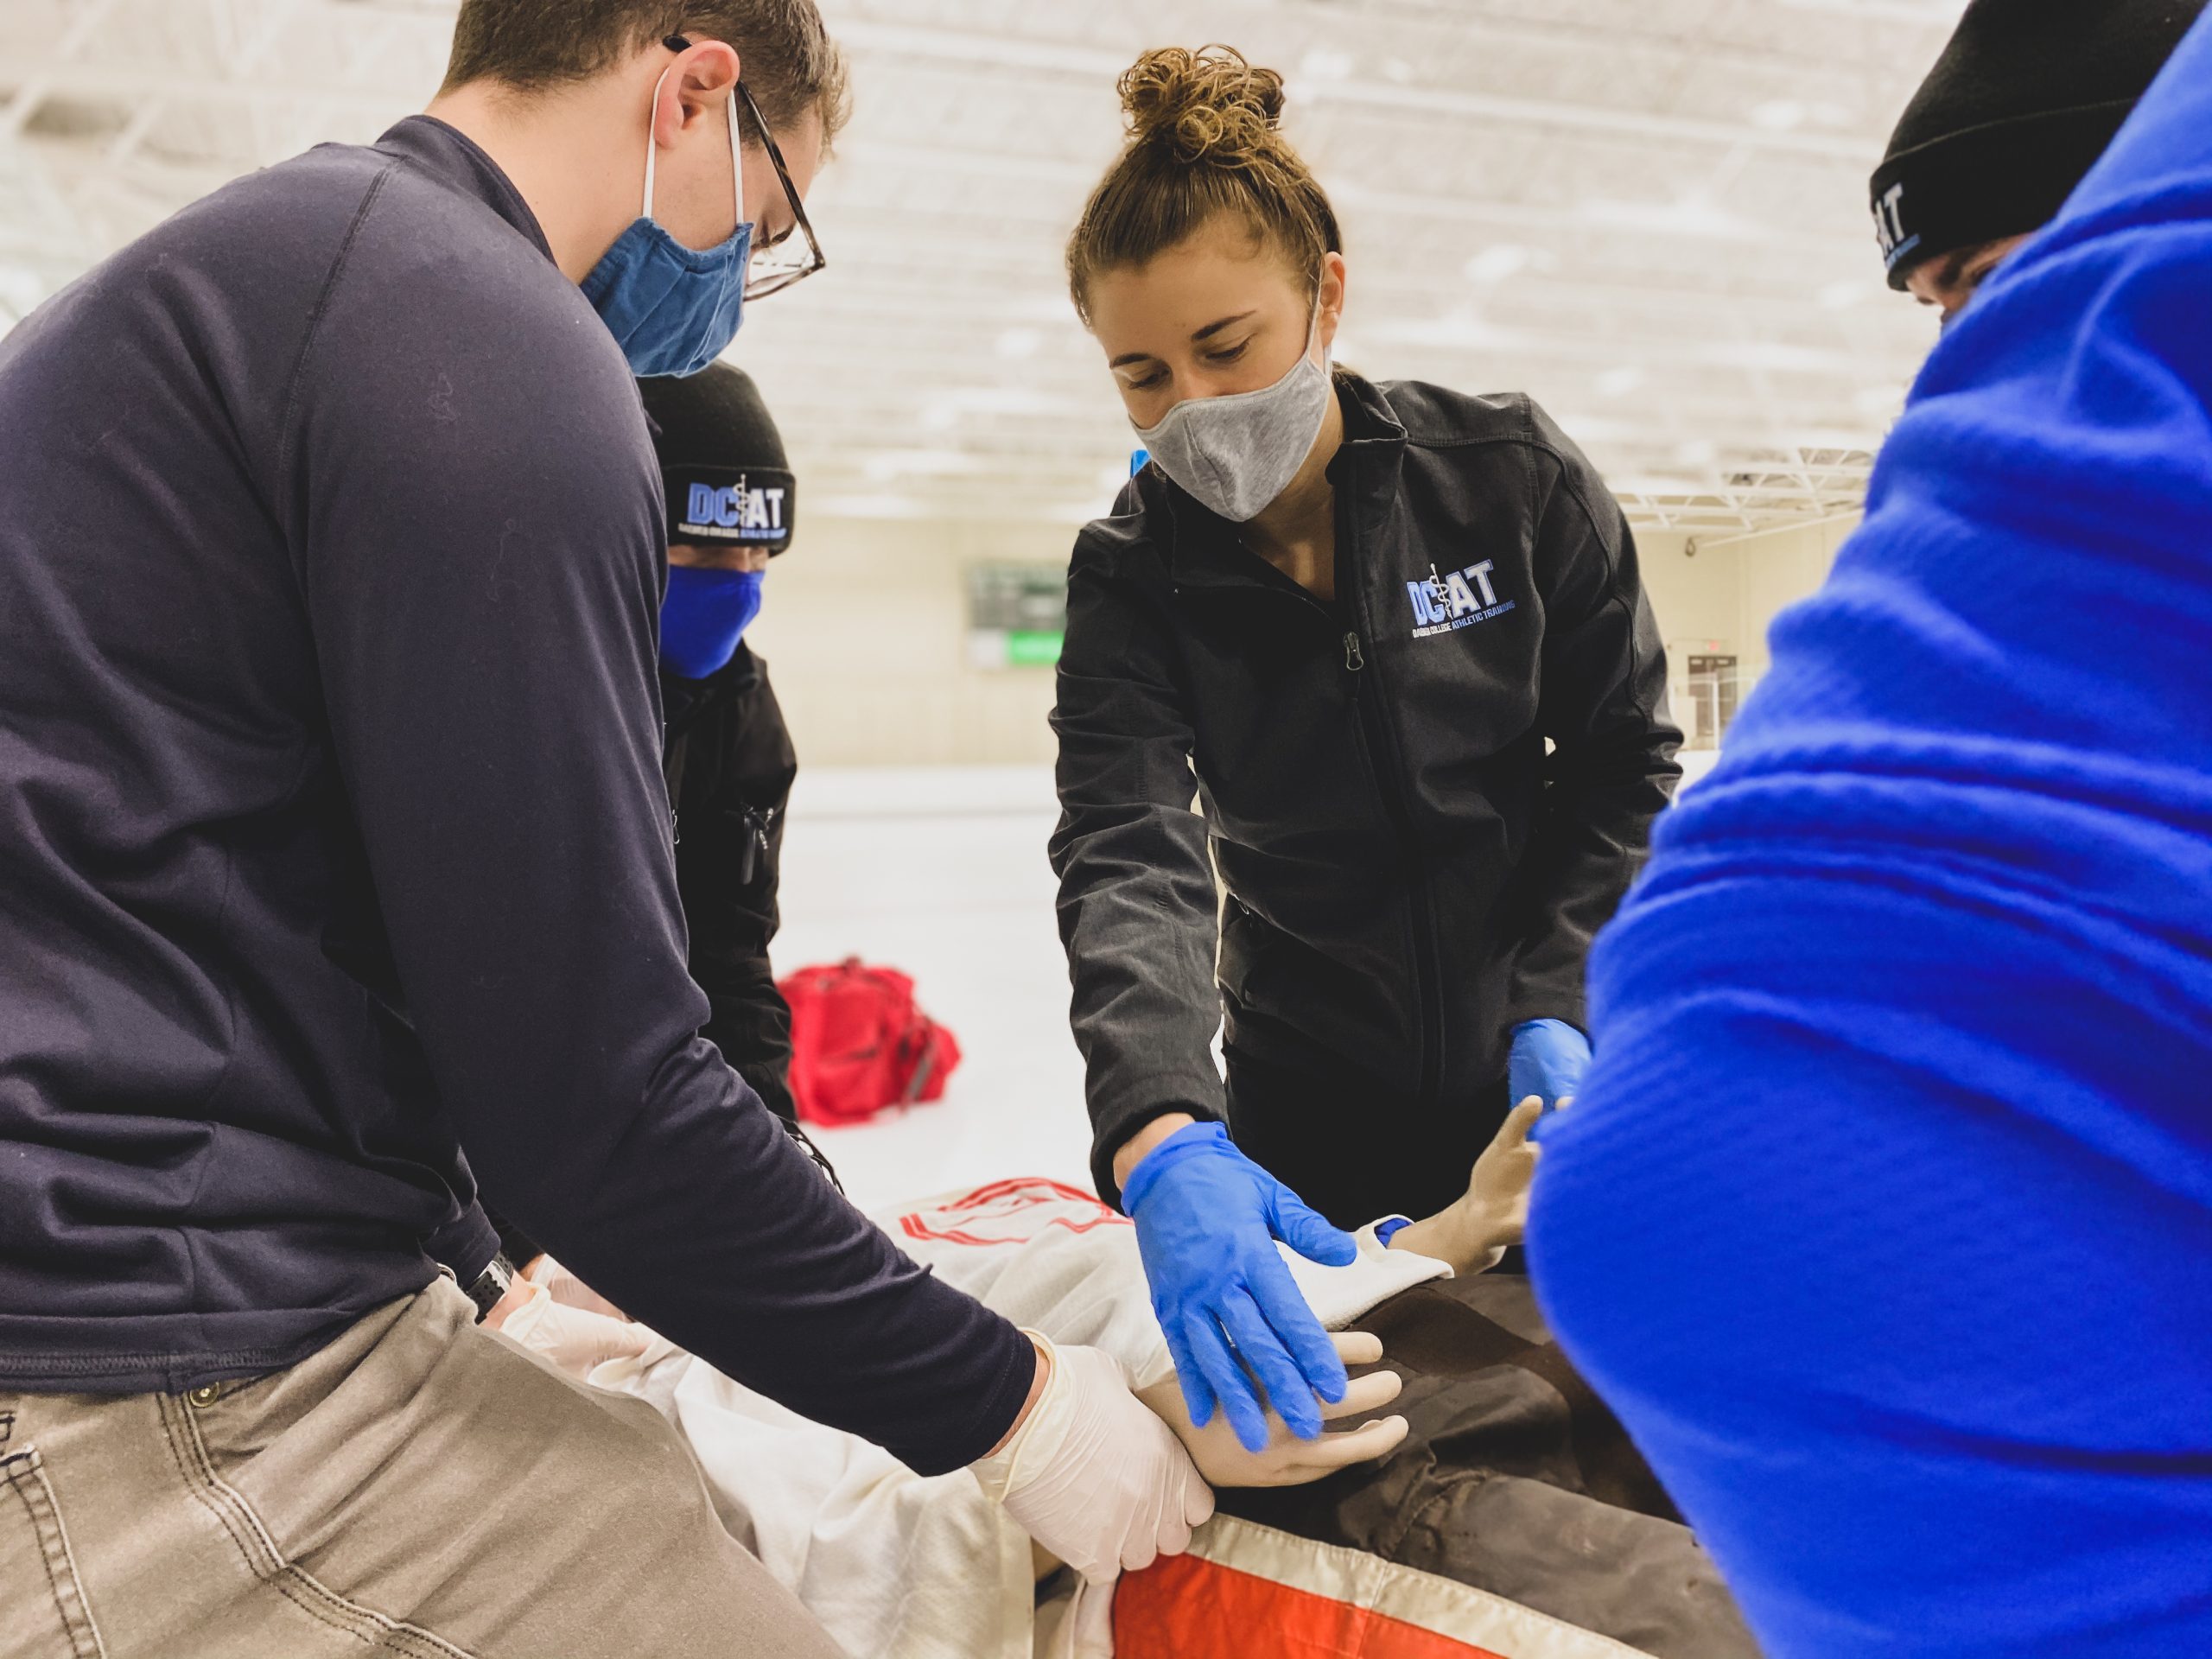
(1695, 598)
(865, 626)
(866, 622)
(1779, 569)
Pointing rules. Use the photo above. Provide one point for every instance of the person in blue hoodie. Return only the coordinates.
(1904, 1040)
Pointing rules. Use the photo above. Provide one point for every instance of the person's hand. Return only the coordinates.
(1287, 1460)
(1090, 1474)
(572, 1337)
(1207, 1217)
(1492, 1215)
(1548, 1059)
(1496, 1204)
(569, 1290)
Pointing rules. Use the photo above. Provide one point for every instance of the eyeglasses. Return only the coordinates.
(794, 255)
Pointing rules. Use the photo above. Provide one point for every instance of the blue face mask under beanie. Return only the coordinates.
(703, 617)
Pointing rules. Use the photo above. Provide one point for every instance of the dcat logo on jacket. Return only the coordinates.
(1444, 603)
(754, 514)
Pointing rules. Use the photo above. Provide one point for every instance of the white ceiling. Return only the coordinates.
(1650, 215)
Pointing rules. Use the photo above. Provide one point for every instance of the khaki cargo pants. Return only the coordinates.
(419, 1488)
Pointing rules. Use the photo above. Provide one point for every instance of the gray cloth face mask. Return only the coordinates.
(1235, 453)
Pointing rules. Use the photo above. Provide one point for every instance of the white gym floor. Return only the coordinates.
(940, 873)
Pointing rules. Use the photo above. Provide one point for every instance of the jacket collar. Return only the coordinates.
(453, 158)
(685, 702)
(1203, 550)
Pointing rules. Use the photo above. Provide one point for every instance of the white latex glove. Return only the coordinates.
(1287, 1461)
(572, 1337)
(1091, 1475)
(569, 1290)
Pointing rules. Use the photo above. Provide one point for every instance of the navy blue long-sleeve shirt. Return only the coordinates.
(1885, 1219)
(334, 840)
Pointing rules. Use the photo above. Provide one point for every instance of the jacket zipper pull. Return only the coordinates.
(1355, 659)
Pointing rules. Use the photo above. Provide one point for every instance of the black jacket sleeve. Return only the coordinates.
(1138, 907)
(1604, 708)
(733, 791)
(477, 516)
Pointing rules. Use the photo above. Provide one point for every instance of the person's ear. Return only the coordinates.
(668, 111)
(696, 88)
(1332, 297)
(705, 77)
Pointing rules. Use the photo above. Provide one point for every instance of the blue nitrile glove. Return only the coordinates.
(1549, 1059)
(1207, 1219)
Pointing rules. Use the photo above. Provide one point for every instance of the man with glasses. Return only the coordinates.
(335, 859)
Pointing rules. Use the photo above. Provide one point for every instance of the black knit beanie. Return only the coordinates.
(722, 458)
(2018, 109)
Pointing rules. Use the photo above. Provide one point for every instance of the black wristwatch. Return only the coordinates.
(491, 1285)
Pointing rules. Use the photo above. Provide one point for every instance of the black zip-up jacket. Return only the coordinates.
(1409, 876)
(729, 766)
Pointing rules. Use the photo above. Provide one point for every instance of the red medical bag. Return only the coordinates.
(859, 1043)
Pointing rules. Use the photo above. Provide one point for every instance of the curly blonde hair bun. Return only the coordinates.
(1204, 140)
(1209, 105)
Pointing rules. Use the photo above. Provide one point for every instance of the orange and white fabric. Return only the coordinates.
(1248, 1592)
(899, 1565)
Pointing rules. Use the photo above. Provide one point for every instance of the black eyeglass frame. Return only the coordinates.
(777, 282)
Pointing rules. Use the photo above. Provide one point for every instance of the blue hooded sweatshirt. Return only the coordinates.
(1885, 1219)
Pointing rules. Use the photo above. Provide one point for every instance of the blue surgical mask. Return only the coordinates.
(673, 309)
(705, 614)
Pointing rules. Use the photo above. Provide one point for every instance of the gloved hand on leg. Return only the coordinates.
(1090, 1474)
(1207, 1217)
(573, 1338)
(569, 1290)
(1548, 1060)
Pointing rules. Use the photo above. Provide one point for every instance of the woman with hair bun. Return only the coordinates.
(1395, 638)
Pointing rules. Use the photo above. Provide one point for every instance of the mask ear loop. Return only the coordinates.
(652, 145)
(653, 148)
(736, 161)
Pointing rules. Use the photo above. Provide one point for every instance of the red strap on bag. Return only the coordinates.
(859, 1043)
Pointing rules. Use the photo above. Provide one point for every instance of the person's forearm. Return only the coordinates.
(1134, 1149)
(1595, 841)
(751, 1024)
(704, 1222)
(1138, 905)
(1457, 1235)
(1492, 1215)
(1029, 1404)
